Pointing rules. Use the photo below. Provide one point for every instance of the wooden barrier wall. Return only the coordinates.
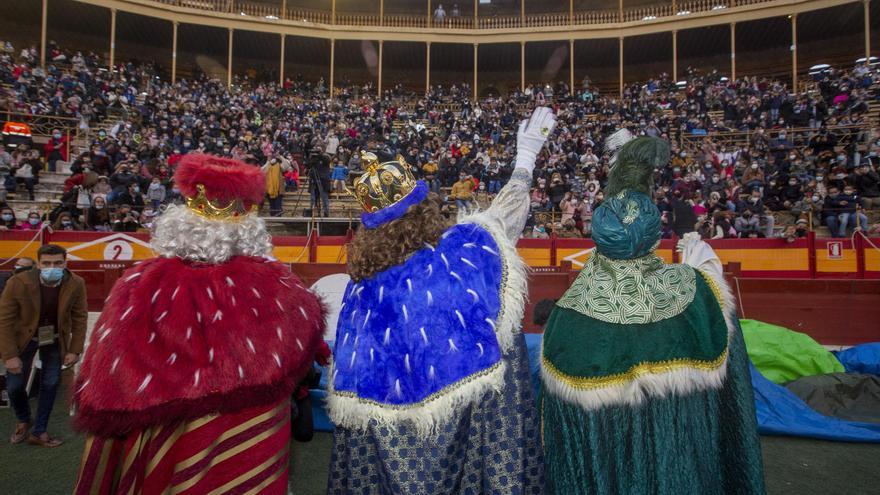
(833, 311)
(808, 257)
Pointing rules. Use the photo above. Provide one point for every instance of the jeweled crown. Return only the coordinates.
(383, 184)
(202, 206)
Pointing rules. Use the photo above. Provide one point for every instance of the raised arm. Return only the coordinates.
(511, 207)
(700, 255)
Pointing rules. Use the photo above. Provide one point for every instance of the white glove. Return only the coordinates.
(688, 242)
(533, 132)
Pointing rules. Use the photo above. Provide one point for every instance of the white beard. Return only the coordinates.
(180, 233)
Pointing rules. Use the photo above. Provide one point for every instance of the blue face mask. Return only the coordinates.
(7, 217)
(51, 275)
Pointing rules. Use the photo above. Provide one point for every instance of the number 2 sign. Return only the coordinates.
(118, 250)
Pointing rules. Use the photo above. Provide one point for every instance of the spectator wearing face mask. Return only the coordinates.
(65, 222)
(791, 193)
(754, 211)
(41, 311)
(683, 218)
(463, 193)
(98, 216)
(130, 197)
(539, 199)
(121, 181)
(28, 171)
(429, 170)
(842, 211)
(174, 196)
(125, 220)
(722, 226)
(56, 149)
(714, 185)
(33, 222)
(809, 207)
(867, 184)
(540, 232)
(101, 187)
(753, 176)
(794, 232)
(482, 197)
(156, 193)
(557, 191)
(7, 219)
(339, 176)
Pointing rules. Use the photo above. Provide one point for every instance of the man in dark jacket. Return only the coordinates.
(684, 219)
(41, 310)
(867, 183)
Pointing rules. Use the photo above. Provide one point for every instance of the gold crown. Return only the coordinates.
(383, 184)
(203, 207)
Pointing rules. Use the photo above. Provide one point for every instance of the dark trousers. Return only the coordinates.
(29, 184)
(50, 355)
(275, 205)
(321, 193)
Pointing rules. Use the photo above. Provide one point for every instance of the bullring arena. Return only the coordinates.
(771, 110)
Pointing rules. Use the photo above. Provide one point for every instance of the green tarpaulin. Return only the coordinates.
(783, 355)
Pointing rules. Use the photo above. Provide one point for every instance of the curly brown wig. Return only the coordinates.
(375, 250)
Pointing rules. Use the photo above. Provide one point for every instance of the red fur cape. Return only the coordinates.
(179, 340)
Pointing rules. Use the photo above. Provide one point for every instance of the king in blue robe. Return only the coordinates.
(430, 388)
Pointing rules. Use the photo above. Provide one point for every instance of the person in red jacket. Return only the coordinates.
(56, 149)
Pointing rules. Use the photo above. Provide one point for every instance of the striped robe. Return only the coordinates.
(234, 453)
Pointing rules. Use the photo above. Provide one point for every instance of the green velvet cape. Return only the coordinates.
(687, 438)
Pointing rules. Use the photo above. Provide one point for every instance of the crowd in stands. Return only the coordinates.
(813, 155)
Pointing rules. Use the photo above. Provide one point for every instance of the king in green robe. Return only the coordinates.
(645, 379)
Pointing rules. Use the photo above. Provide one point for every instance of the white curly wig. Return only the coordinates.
(180, 233)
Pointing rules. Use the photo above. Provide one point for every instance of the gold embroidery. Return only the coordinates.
(715, 289)
(641, 369)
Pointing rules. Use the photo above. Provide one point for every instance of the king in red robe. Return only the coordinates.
(187, 378)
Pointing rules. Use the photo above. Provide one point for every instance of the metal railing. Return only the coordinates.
(798, 137)
(274, 12)
(43, 125)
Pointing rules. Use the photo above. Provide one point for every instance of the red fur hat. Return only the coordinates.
(225, 180)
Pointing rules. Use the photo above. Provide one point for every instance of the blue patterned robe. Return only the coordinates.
(430, 388)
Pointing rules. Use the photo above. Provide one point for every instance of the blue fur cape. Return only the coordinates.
(424, 330)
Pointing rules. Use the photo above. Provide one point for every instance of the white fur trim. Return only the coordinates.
(425, 417)
(515, 291)
(179, 232)
(679, 382)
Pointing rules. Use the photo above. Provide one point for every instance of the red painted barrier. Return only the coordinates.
(834, 312)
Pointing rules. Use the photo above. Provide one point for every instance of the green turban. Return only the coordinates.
(626, 226)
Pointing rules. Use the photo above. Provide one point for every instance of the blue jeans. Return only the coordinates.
(50, 355)
(494, 186)
(463, 205)
(433, 185)
(840, 223)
